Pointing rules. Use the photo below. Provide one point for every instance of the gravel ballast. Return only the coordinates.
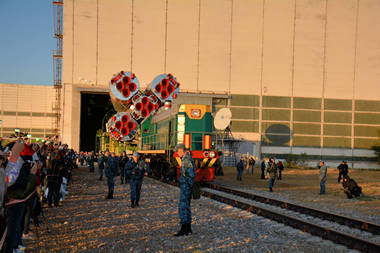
(88, 223)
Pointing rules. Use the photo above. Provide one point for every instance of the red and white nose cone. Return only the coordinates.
(168, 105)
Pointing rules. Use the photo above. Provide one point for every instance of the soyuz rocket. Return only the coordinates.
(135, 106)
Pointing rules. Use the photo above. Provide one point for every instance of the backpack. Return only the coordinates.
(272, 168)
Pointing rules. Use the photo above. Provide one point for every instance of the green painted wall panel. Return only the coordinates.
(366, 143)
(307, 103)
(367, 118)
(368, 131)
(301, 128)
(338, 104)
(269, 114)
(337, 130)
(245, 100)
(337, 142)
(338, 117)
(244, 126)
(365, 105)
(245, 113)
(275, 127)
(306, 141)
(276, 101)
(307, 116)
(25, 114)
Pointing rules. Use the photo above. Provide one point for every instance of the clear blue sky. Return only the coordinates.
(26, 41)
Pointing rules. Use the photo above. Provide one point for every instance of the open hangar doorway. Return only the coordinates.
(94, 108)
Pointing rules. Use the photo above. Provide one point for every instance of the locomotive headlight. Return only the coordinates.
(196, 113)
(206, 154)
(211, 154)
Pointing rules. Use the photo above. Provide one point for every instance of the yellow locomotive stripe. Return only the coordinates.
(179, 161)
(212, 162)
(204, 161)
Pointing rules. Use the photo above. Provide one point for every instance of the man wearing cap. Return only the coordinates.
(136, 169)
(101, 161)
(186, 180)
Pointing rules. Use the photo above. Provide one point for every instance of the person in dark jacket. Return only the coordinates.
(186, 181)
(123, 161)
(90, 161)
(263, 166)
(101, 162)
(240, 169)
(110, 168)
(136, 169)
(272, 171)
(252, 163)
(20, 190)
(343, 170)
(280, 167)
(54, 177)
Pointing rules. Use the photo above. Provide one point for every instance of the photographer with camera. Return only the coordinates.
(21, 187)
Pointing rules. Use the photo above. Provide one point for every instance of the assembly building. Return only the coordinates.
(300, 76)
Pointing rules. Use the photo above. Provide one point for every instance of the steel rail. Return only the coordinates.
(326, 233)
(343, 220)
(314, 229)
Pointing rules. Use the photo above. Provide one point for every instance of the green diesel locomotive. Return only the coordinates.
(190, 124)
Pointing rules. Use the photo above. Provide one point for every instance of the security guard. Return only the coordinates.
(136, 169)
(186, 180)
(110, 168)
(101, 161)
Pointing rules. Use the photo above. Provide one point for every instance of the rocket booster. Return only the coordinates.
(137, 105)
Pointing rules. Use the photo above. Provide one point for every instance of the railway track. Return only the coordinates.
(343, 220)
(339, 229)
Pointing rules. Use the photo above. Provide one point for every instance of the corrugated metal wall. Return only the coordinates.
(28, 107)
(292, 49)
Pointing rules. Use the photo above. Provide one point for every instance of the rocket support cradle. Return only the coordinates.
(139, 105)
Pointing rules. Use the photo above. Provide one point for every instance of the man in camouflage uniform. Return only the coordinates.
(136, 169)
(110, 168)
(101, 162)
(272, 171)
(91, 160)
(186, 180)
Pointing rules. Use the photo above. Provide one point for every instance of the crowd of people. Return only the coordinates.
(132, 170)
(269, 169)
(31, 175)
(272, 170)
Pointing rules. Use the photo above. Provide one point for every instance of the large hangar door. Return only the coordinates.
(93, 109)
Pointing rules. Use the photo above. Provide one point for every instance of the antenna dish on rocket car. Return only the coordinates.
(222, 118)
